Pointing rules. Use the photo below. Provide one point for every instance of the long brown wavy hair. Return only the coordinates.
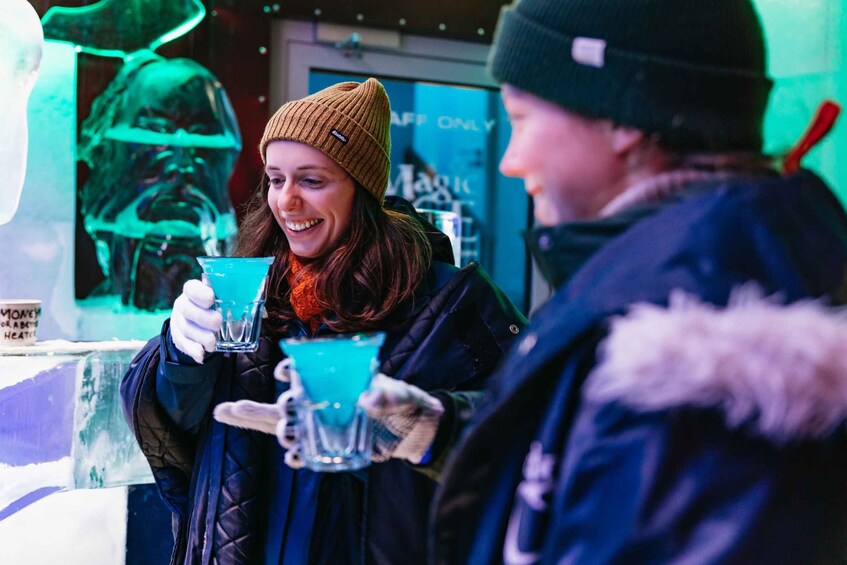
(378, 264)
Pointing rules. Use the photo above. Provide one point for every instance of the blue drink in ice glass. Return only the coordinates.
(239, 287)
(334, 371)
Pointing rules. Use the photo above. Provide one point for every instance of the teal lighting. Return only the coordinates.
(118, 28)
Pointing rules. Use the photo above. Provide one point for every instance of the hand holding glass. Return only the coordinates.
(239, 287)
(335, 433)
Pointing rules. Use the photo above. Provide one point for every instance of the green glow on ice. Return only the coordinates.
(118, 28)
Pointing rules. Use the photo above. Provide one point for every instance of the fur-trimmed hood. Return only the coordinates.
(779, 369)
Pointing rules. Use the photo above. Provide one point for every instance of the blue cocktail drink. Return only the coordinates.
(239, 287)
(334, 371)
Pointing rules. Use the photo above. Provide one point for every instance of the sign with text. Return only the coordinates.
(446, 143)
(19, 322)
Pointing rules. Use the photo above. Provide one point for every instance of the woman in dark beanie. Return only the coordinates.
(346, 259)
(682, 398)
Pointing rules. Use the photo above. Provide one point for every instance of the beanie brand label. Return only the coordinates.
(338, 135)
(589, 51)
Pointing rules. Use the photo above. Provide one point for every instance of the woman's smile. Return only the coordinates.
(300, 226)
(310, 195)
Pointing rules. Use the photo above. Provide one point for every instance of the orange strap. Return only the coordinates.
(821, 125)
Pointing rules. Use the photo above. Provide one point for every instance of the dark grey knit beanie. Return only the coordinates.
(692, 71)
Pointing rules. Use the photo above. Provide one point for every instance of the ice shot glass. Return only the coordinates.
(239, 287)
(335, 433)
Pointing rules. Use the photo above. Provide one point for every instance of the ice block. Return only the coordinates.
(61, 422)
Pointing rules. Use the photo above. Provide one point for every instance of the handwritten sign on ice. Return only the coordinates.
(19, 322)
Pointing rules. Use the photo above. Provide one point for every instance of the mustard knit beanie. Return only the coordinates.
(348, 121)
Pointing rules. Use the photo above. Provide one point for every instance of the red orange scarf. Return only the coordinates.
(303, 295)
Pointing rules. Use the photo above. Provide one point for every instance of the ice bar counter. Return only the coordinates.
(61, 422)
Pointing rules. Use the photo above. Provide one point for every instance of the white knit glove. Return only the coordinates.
(405, 419)
(194, 325)
(287, 432)
(279, 418)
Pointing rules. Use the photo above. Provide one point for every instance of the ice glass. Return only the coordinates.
(239, 287)
(335, 433)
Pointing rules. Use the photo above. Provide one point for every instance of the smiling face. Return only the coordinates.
(569, 163)
(310, 196)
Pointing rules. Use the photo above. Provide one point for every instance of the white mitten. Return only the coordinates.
(249, 415)
(287, 432)
(279, 419)
(405, 418)
(194, 325)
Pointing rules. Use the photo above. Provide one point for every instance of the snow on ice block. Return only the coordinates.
(61, 422)
(80, 527)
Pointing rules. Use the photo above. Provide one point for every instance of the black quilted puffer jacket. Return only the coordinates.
(215, 481)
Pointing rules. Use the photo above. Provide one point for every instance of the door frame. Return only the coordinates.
(296, 50)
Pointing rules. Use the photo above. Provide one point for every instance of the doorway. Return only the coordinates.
(448, 130)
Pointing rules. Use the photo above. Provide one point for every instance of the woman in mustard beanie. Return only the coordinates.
(346, 259)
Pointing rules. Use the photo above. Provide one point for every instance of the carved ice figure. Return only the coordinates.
(118, 28)
(161, 142)
(21, 44)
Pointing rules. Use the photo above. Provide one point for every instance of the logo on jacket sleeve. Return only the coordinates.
(529, 514)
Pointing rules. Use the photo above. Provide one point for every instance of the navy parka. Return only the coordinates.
(545, 474)
(214, 478)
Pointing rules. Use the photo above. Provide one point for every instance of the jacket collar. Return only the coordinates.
(659, 187)
(561, 250)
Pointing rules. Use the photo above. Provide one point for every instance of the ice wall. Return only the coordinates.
(805, 58)
(81, 527)
(21, 44)
(37, 246)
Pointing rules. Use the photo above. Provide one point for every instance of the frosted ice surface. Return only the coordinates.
(21, 41)
(105, 452)
(61, 422)
(18, 482)
(118, 28)
(37, 257)
(81, 527)
(106, 317)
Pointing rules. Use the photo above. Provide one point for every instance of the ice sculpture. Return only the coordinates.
(120, 27)
(21, 44)
(161, 142)
(62, 426)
